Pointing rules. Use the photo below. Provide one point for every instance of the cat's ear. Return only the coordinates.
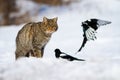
(55, 19)
(44, 19)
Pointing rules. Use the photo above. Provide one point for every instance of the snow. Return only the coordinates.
(102, 55)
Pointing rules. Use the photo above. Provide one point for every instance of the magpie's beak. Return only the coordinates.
(102, 22)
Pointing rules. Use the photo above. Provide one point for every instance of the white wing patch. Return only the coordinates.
(90, 34)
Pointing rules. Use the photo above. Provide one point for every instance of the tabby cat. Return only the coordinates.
(33, 37)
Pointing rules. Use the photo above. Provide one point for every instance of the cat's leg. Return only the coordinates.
(37, 53)
(42, 51)
(29, 53)
(19, 54)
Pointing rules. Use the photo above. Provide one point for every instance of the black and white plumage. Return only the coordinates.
(59, 54)
(89, 29)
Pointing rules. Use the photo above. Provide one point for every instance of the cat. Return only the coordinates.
(33, 37)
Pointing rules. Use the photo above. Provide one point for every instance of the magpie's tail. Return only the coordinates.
(83, 44)
(80, 59)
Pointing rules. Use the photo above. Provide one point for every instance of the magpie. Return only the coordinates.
(89, 29)
(59, 54)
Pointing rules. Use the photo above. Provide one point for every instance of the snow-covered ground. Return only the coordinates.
(102, 55)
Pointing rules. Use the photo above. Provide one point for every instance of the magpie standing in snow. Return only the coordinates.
(89, 29)
(59, 54)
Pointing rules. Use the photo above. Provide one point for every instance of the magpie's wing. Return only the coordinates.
(68, 57)
(89, 34)
(102, 22)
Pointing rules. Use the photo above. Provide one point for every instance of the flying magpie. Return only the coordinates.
(89, 29)
(59, 54)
